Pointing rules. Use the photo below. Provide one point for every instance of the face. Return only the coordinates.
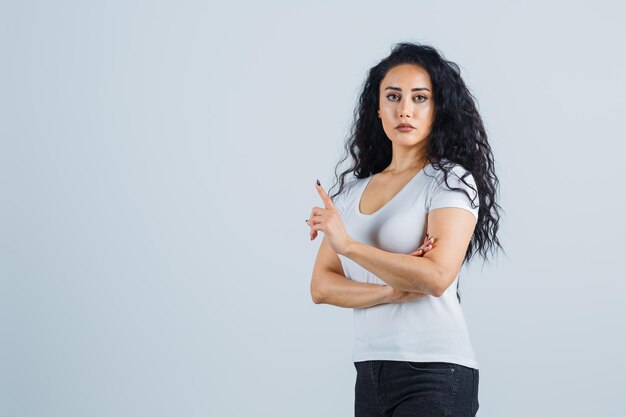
(406, 97)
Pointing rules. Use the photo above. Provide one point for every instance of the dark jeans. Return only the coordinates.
(416, 389)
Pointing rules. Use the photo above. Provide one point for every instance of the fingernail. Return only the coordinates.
(318, 182)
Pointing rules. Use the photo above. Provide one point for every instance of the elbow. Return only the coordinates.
(440, 284)
(317, 299)
(316, 294)
(433, 282)
(437, 292)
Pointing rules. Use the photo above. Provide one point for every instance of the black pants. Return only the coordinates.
(416, 389)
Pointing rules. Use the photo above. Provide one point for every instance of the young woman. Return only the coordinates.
(423, 172)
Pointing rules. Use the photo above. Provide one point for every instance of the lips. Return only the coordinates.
(404, 127)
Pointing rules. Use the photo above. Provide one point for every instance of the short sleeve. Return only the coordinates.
(442, 196)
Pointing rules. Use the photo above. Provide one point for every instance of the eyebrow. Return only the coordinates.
(413, 89)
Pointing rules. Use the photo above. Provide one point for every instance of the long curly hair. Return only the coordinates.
(457, 135)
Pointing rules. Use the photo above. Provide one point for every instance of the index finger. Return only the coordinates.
(328, 203)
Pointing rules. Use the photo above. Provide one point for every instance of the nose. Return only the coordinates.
(406, 108)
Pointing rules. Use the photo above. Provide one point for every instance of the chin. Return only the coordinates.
(407, 140)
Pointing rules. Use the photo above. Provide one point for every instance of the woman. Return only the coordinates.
(422, 167)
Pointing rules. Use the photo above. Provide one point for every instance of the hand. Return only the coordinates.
(426, 246)
(328, 220)
(399, 296)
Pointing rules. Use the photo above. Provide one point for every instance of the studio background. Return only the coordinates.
(158, 161)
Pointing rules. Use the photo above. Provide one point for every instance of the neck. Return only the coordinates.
(407, 159)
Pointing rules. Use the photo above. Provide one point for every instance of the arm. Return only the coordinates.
(330, 286)
(434, 272)
(400, 271)
(342, 292)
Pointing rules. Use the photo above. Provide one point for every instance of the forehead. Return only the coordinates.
(407, 76)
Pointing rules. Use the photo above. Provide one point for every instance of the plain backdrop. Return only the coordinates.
(158, 160)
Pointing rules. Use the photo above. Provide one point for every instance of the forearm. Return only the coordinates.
(400, 271)
(343, 292)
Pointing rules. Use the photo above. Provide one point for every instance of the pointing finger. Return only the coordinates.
(328, 203)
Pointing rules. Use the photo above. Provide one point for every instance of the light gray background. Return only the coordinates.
(157, 165)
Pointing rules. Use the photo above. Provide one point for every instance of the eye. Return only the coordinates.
(389, 95)
(424, 97)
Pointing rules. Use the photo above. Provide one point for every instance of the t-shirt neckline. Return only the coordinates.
(357, 209)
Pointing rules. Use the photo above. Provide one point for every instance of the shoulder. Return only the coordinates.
(455, 172)
(455, 178)
(457, 189)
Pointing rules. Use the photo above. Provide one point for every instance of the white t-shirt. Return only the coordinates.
(429, 329)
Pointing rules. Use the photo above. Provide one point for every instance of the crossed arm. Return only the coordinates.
(430, 274)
